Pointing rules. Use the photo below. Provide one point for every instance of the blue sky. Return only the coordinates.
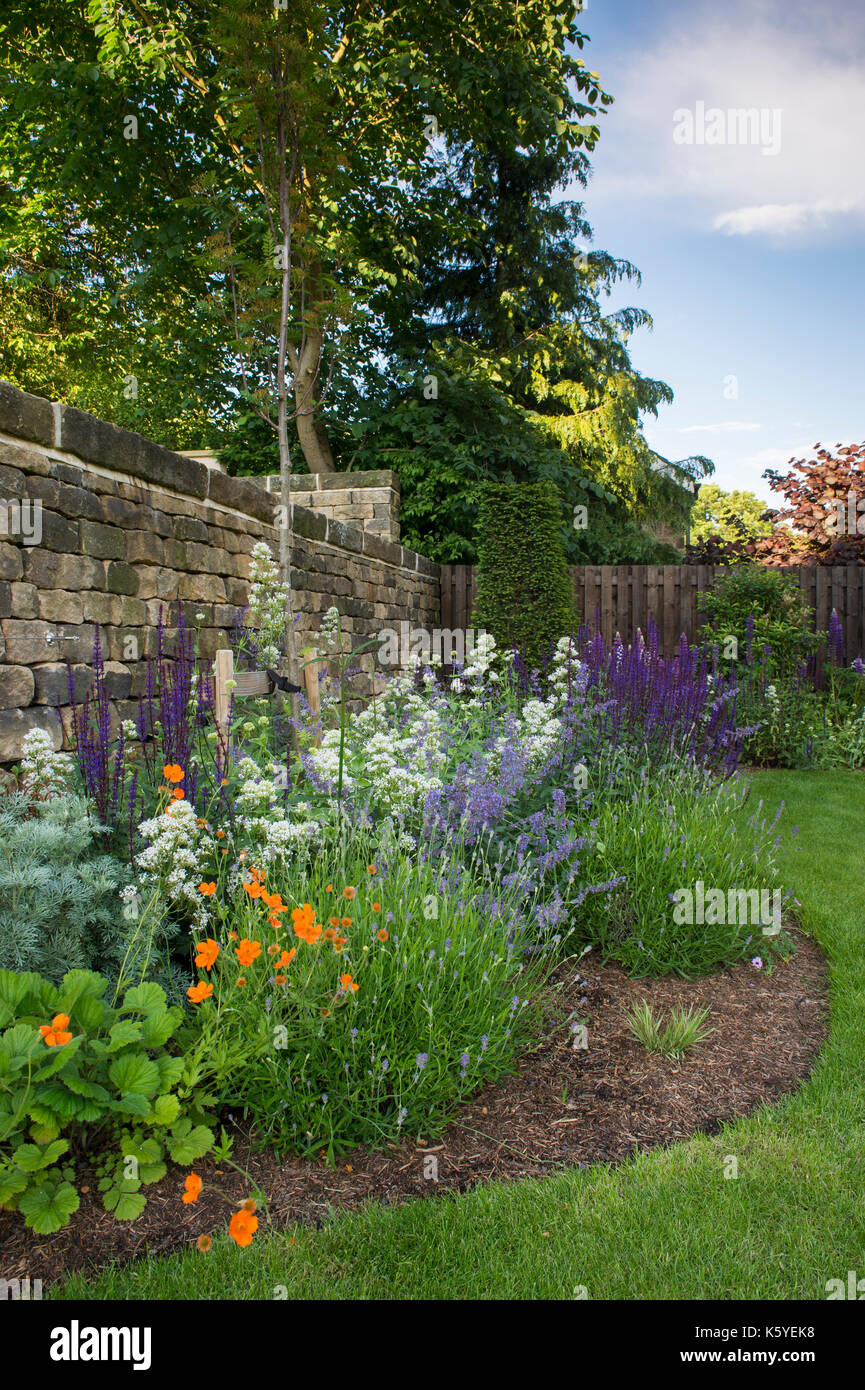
(753, 264)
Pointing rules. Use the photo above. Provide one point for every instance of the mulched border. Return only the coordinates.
(563, 1107)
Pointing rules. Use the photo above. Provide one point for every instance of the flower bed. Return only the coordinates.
(342, 941)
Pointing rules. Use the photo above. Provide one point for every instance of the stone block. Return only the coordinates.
(80, 502)
(25, 601)
(144, 545)
(25, 416)
(60, 606)
(48, 570)
(102, 542)
(242, 495)
(16, 686)
(11, 560)
(121, 578)
(52, 682)
(59, 533)
(16, 724)
(102, 608)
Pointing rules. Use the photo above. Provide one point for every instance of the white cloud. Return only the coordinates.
(750, 55)
(782, 218)
(728, 427)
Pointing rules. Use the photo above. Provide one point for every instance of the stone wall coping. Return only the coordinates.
(71, 431)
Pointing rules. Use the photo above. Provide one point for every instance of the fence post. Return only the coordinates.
(310, 679)
(223, 671)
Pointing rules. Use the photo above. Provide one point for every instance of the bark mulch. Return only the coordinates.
(564, 1107)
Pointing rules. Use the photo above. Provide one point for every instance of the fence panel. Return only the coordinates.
(622, 598)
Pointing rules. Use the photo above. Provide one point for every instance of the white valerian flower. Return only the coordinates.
(176, 854)
(44, 772)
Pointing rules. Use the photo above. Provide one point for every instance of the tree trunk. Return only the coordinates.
(310, 431)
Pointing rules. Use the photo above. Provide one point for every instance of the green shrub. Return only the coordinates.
(525, 598)
(81, 1078)
(60, 905)
(668, 834)
(781, 616)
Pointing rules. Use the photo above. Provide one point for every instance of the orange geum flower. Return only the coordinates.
(198, 993)
(173, 772)
(376, 907)
(346, 922)
(220, 835)
(232, 936)
(247, 951)
(339, 942)
(249, 1205)
(329, 888)
(273, 950)
(203, 1243)
(242, 1227)
(279, 979)
(241, 982)
(193, 1185)
(348, 984)
(370, 868)
(55, 1033)
(308, 932)
(207, 890)
(207, 950)
(334, 921)
(349, 893)
(382, 934)
(330, 933)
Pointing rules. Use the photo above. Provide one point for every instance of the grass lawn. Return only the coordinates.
(667, 1225)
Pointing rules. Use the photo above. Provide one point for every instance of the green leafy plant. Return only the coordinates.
(683, 1030)
(60, 907)
(524, 591)
(760, 607)
(80, 1079)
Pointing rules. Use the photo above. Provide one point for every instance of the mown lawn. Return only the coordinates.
(667, 1225)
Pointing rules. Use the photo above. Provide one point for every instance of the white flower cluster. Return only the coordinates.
(567, 672)
(395, 745)
(268, 598)
(44, 773)
(176, 855)
(261, 819)
(477, 669)
(401, 746)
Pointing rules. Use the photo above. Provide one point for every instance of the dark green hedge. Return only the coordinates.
(525, 598)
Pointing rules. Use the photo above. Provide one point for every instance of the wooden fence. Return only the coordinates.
(621, 598)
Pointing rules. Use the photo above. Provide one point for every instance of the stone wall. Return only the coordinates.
(129, 529)
(368, 499)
